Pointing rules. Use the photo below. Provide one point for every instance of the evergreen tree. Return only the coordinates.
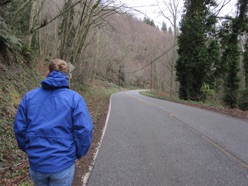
(170, 30)
(243, 102)
(11, 47)
(149, 21)
(245, 62)
(18, 20)
(164, 27)
(214, 72)
(231, 55)
(230, 58)
(193, 64)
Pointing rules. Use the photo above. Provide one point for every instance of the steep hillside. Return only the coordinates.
(15, 80)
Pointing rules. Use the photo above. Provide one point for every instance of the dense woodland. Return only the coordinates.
(99, 39)
(203, 58)
(215, 61)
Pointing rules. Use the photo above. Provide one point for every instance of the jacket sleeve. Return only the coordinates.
(21, 124)
(83, 128)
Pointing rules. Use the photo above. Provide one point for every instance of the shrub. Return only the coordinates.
(243, 101)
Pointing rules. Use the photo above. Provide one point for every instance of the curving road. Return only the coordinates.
(150, 142)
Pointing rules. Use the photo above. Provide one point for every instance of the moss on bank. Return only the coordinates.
(15, 81)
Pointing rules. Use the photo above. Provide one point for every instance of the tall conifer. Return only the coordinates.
(231, 55)
(245, 62)
(164, 27)
(192, 66)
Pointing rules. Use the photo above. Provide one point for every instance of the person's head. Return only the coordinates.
(58, 65)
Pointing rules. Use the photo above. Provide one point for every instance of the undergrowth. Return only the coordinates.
(153, 94)
(15, 81)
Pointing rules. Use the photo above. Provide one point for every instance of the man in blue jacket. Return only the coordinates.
(53, 126)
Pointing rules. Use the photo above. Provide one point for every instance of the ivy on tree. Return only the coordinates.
(193, 65)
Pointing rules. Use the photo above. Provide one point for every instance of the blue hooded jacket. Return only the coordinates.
(53, 125)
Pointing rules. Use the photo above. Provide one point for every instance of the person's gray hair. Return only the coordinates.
(59, 65)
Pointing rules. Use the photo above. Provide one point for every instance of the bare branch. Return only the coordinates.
(173, 8)
(224, 3)
(22, 7)
(51, 20)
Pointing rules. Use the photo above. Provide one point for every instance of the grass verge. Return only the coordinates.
(216, 107)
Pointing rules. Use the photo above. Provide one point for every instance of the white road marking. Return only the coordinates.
(87, 175)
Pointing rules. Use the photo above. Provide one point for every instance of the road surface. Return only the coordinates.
(159, 143)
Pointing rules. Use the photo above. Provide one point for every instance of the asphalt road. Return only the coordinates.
(151, 142)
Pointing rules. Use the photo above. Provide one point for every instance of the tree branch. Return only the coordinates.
(22, 7)
(43, 24)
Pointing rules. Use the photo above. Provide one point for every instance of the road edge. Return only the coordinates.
(86, 176)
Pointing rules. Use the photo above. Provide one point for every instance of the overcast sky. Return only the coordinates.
(150, 9)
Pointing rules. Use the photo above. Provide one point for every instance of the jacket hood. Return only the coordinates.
(54, 80)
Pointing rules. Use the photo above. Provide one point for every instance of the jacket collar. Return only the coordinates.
(54, 80)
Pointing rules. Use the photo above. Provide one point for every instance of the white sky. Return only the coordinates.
(150, 9)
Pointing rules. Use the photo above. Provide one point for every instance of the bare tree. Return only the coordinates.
(175, 10)
(135, 46)
(34, 16)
